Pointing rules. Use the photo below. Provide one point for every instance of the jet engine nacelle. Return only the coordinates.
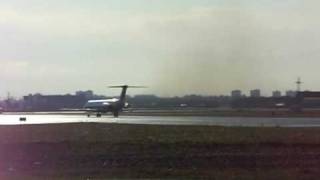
(127, 105)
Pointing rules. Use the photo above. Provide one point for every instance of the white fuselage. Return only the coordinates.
(101, 104)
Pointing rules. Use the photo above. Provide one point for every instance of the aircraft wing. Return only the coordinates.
(71, 109)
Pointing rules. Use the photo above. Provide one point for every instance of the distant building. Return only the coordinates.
(40, 102)
(276, 94)
(291, 93)
(308, 99)
(236, 94)
(255, 93)
(88, 94)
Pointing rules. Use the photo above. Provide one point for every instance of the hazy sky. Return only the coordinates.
(175, 47)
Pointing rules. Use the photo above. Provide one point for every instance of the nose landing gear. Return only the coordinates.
(97, 115)
(116, 114)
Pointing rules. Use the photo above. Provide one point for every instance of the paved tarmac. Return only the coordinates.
(42, 118)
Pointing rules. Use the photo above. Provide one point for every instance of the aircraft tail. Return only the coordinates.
(124, 91)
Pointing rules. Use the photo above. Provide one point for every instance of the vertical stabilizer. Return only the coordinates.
(123, 93)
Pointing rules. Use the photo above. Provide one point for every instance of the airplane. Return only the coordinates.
(113, 105)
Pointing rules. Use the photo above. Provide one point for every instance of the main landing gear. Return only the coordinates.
(97, 115)
(116, 114)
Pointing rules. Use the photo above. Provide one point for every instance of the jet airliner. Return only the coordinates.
(113, 105)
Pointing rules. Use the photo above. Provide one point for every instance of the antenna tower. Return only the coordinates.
(299, 82)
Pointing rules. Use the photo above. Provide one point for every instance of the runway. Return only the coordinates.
(162, 120)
